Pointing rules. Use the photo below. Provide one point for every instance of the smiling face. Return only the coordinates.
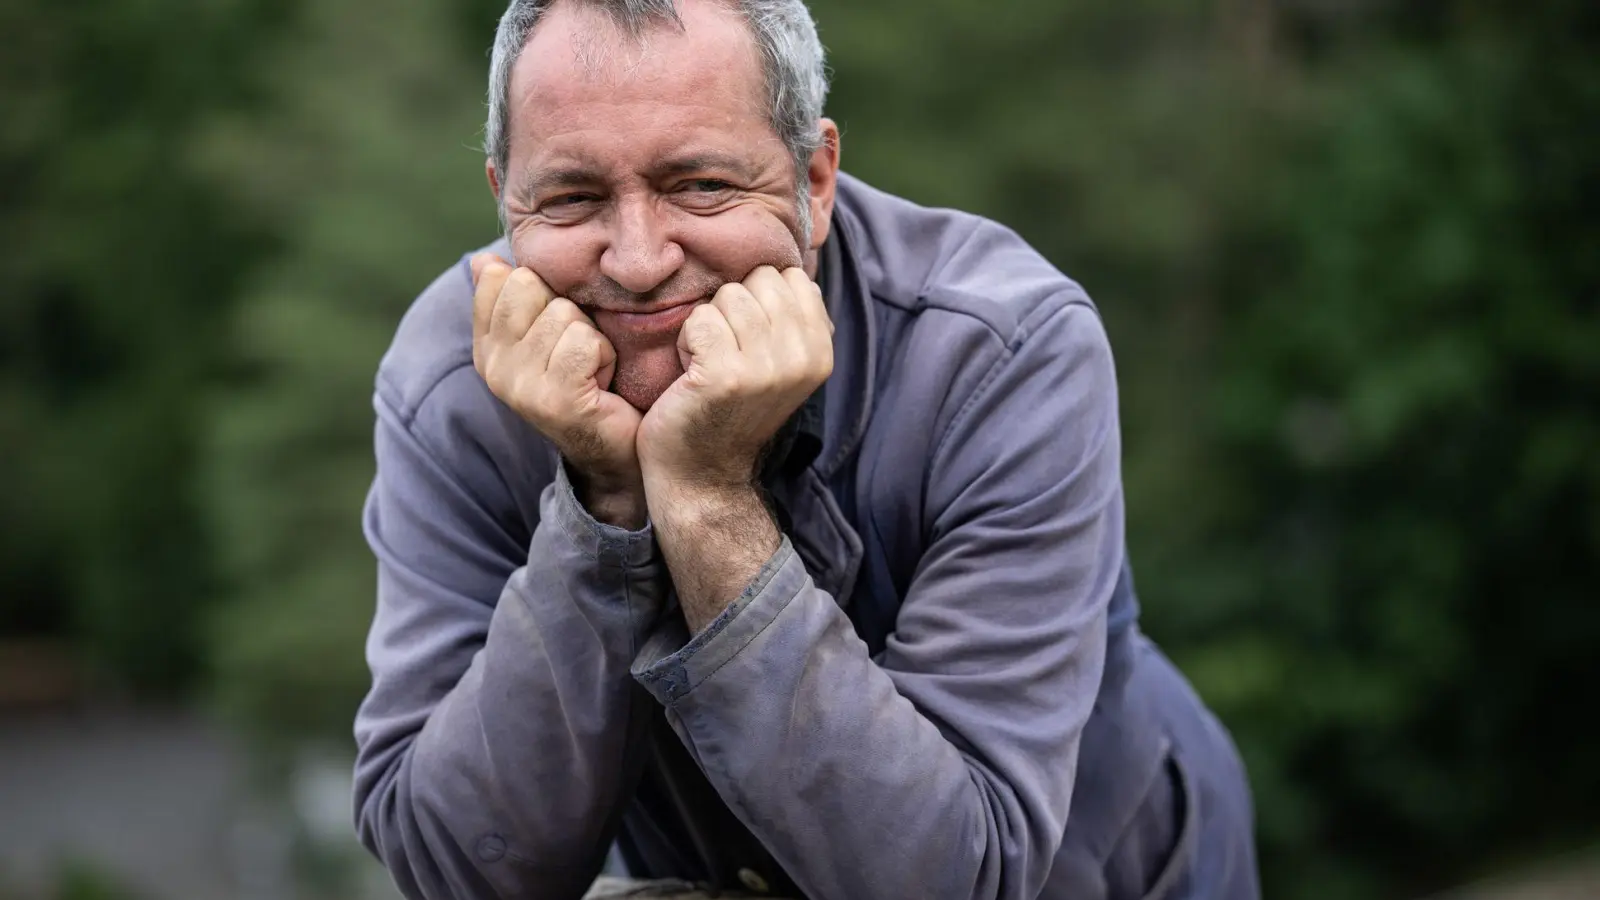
(644, 173)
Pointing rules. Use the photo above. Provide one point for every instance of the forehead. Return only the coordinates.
(581, 75)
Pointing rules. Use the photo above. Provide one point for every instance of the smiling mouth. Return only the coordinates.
(617, 325)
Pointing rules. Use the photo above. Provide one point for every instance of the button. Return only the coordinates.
(491, 848)
(753, 880)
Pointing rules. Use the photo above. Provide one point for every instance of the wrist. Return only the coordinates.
(715, 540)
(615, 501)
(700, 501)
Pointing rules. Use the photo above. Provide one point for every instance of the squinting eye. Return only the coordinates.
(570, 200)
(709, 185)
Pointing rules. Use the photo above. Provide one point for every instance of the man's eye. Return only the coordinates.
(570, 200)
(708, 185)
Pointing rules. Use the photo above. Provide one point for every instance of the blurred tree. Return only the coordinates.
(119, 266)
(1346, 256)
(371, 171)
(1393, 602)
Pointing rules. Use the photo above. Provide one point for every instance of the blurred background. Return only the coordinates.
(1349, 256)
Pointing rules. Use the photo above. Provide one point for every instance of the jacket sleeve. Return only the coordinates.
(943, 769)
(502, 728)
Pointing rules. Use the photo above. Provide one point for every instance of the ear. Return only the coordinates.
(494, 178)
(823, 178)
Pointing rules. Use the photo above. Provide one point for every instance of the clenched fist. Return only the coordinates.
(750, 357)
(546, 360)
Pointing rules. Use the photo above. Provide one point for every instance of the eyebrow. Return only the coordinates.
(540, 182)
(708, 161)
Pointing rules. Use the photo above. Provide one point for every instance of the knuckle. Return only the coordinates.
(702, 322)
(490, 279)
(495, 377)
(483, 295)
(572, 362)
(728, 293)
(768, 281)
(547, 329)
(489, 353)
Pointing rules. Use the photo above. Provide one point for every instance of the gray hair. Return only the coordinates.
(792, 63)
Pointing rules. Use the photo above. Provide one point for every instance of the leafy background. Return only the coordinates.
(1348, 252)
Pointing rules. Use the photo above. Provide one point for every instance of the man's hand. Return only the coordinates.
(546, 360)
(751, 356)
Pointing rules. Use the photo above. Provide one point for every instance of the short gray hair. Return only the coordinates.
(792, 63)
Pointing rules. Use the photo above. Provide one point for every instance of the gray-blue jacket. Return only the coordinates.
(936, 688)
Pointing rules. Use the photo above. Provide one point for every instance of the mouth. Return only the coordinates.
(643, 324)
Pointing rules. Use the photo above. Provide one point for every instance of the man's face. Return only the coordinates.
(645, 174)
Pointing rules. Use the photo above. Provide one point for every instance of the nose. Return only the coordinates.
(640, 254)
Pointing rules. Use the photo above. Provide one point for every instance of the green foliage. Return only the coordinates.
(1346, 253)
(370, 173)
(1405, 428)
(120, 263)
(79, 881)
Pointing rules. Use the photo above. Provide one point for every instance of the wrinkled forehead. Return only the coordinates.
(579, 55)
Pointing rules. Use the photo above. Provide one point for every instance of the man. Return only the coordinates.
(757, 522)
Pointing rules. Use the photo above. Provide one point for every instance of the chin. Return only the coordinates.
(642, 379)
(640, 398)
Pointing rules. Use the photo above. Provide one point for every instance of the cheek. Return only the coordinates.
(563, 257)
(737, 241)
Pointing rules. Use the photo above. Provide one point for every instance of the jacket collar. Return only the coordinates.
(847, 394)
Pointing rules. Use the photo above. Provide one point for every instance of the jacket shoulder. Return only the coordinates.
(433, 339)
(921, 259)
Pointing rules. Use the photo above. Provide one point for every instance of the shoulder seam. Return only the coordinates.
(1010, 352)
(407, 412)
(924, 304)
(971, 235)
(385, 382)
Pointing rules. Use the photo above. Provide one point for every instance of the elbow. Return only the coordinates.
(1007, 847)
(410, 838)
(439, 838)
(386, 826)
(377, 815)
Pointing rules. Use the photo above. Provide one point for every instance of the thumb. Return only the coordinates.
(706, 338)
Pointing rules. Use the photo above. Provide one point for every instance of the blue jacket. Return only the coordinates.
(931, 690)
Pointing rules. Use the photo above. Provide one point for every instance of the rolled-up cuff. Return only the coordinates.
(671, 663)
(607, 544)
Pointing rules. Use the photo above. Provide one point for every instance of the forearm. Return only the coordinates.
(943, 766)
(784, 703)
(512, 783)
(714, 541)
